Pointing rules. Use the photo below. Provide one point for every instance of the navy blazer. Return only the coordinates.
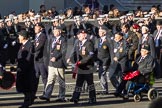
(38, 50)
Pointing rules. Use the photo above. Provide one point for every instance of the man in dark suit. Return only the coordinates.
(145, 65)
(119, 65)
(103, 58)
(83, 57)
(158, 38)
(1, 72)
(158, 46)
(39, 65)
(56, 66)
(147, 39)
(25, 70)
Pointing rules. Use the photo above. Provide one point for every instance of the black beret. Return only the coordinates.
(103, 27)
(23, 33)
(58, 27)
(82, 31)
(159, 23)
(146, 47)
(39, 24)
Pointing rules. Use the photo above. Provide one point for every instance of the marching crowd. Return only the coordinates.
(116, 48)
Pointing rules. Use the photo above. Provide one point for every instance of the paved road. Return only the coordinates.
(12, 99)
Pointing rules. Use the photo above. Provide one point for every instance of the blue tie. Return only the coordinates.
(53, 43)
(100, 44)
(80, 45)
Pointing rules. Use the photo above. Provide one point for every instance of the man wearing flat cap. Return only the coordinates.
(145, 64)
(25, 79)
(56, 68)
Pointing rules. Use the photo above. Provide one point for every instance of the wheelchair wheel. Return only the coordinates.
(137, 98)
(152, 94)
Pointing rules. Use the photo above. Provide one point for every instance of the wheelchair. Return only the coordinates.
(140, 86)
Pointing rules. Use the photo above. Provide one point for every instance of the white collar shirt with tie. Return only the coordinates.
(102, 39)
(142, 58)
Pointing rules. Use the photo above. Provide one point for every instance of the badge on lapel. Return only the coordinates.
(104, 47)
(58, 46)
(121, 50)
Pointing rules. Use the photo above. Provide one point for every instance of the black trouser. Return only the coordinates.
(28, 98)
(79, 83)
(124, 68)
(40, 69)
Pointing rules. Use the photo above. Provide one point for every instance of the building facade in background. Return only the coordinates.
(20, 6)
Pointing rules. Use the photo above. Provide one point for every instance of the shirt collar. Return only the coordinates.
(38, 34)
(25, 42)
(84, 41)
(103, 38)
(145, 35)
(57, 38)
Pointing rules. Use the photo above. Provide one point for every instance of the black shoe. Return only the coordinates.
(44, 98)
(12, 69)
(60, 100)
(73, 100)
(118, 95)
(91, 101)
(24, 106)
(125, 97)
(102, 92)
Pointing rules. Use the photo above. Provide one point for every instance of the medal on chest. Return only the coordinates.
(121, 49)
(83, 51)
(58, 46)
(104, 47)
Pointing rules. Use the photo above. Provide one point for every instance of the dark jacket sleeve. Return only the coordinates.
(152, 47)
(148, 68)
(124, 53)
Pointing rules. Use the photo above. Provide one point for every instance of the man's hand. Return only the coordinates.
(53, 59)
(68, 60)
(1, 77)
(115, 59)
(74, 75)
(13, 43)
(37, 44)
(78, 63)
